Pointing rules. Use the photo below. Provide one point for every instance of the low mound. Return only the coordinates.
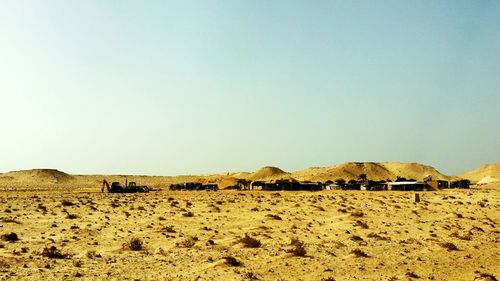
(487, 180)
(414, 171)
(484, 174)
(37, 176)
(268, 173)
(373, 171)
(227, 182)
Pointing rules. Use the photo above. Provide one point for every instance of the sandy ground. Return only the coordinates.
(347, 235)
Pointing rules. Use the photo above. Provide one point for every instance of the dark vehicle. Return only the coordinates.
(194, 186)
(130, 187)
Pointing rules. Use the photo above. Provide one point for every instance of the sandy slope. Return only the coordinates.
(187, 235)
(486, 173)
(374, 171)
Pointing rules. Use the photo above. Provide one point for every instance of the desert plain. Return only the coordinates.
(54, 228)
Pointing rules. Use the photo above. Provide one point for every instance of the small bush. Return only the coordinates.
(231, 261)
(92, 255)
(72, 216)
(10, 237)
(53, 253)
(250, 242)
(188, 214)
(361, 224)
(135, 244)
(276, 217)
(10, 220)
(378, 237)
(486, 277)
(298, 248)
(449, 246)
(319, 208)
(356, 238)
(357, 214)
(67, 203)
(412, 274)
(359, 253)
(169, 229)
(188, 242)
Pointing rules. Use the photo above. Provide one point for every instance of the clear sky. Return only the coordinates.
(186, 87)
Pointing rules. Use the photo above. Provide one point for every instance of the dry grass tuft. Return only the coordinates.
(135, 244)
(411, 274)
(357, 214)
(188, 242)
(232, 261)
(10, 237)
(250, 242)
(359, 253)
(276, 217)
(10, 220)
(449, 246)
(67, 203)
(168, 228)
(298, 248)
(53, 253)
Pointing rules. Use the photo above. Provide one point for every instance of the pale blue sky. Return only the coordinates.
(186, 87)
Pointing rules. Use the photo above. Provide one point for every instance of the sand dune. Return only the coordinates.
(268, 173)
(373, 171)
(51, 176)
(484, 174)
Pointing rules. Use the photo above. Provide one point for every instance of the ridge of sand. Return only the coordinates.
(373, 171)
(38, 176)
(268, 173)
(485, 174)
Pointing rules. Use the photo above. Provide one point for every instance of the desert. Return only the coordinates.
(56, 226)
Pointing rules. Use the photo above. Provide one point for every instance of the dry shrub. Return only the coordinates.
(71, 216)
(357, 214)
(276, 217)
(378, 237)
(412, 274)
(356, 238)
(135, 244)
(359, 253)
(10, 220)
(298, 248)
(188, 242)
(92, 254)
(10, 237)
(319, 208)
(188, 214)
(485, 277)
(67, 203)
(53, 253)
(232, 261)
(449, 246)
(466, 237)
(361, 224)
(328, 279)
(250, 242)
(169, 229)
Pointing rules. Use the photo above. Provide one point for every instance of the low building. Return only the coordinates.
(438, 184)
(406, 186)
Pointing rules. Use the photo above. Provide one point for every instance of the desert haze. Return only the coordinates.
(57, 226)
